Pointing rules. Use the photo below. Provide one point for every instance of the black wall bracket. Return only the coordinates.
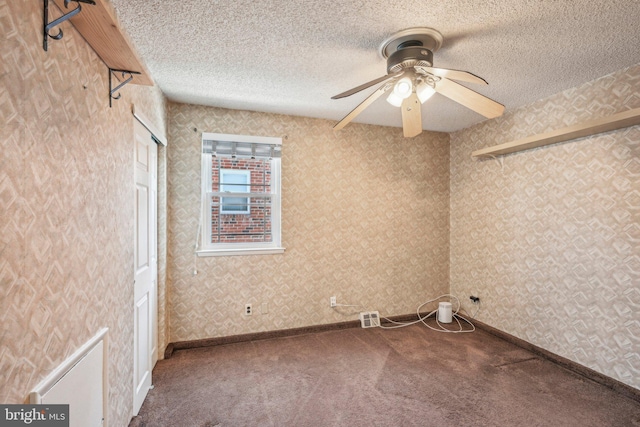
(127, 76)
(48, 26)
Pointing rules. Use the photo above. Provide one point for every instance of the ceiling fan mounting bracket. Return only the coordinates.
(425, 37)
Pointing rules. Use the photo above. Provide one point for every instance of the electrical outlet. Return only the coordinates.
(264, 308)
(332, 302)
(248, 310)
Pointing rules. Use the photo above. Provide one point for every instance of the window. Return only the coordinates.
(240, 195)
(234, 181)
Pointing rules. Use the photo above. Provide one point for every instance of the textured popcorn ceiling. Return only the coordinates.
(290, 57)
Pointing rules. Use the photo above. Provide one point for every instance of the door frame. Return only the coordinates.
(151, 324)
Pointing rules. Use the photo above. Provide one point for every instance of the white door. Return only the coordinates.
(145, 279)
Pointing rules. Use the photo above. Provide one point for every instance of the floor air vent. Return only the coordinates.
(369, 319)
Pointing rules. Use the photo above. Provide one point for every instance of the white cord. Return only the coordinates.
(197, 241)
(350, 305)
(473, 316)
(349, 309)
(441, 328)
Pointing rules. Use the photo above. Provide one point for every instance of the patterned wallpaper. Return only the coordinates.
(550, 238)
(365, 217)
(66, 203)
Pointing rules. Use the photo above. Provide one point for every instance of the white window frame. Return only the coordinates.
(205, 248)
(235, 188)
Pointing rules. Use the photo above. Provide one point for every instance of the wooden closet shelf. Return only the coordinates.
(99, 27)
(580, 130)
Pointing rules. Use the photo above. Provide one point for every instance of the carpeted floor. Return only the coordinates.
(373, 377)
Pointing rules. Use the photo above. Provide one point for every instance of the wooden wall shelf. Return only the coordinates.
(580, 130)
(99, 27)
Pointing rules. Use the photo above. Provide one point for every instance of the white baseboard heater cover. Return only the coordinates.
(81, 382)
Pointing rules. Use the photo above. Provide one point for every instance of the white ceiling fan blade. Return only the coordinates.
(470, 99)
(366, 85)
(463, 76)
(364, 104)
(411, 116)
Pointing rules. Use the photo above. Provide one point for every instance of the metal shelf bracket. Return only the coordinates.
(124, 81)
(48, 26)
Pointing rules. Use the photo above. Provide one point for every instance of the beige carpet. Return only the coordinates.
(373, 377)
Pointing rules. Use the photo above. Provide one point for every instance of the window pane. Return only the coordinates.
(235, 181)
(235, 204)
(241, 219)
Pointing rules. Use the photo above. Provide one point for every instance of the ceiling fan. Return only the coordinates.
(411, 79)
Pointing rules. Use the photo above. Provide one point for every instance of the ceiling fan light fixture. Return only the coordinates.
(403, 88)
(394, 99)
(409, 53)
(424, 92)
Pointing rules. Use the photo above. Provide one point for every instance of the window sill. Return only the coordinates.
(239, 251)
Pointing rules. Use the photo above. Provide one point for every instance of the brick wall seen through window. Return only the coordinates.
(238, 228)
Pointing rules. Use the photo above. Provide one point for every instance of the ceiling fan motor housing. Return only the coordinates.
(409, 56)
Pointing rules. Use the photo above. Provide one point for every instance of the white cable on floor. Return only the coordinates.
(423, 319)
(441, 328)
